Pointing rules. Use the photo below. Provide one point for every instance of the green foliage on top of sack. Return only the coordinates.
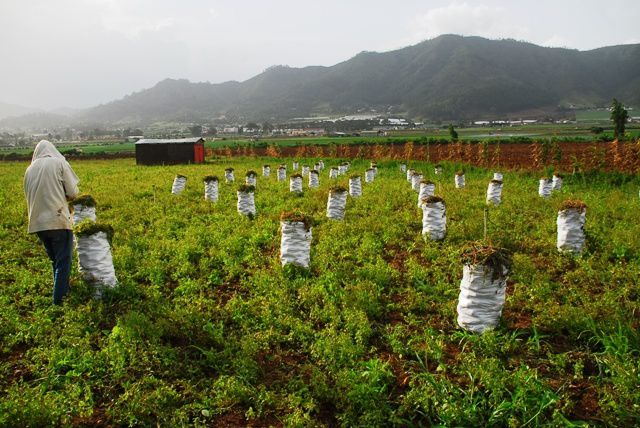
(206, 328)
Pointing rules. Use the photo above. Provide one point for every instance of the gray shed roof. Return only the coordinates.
(174, 141)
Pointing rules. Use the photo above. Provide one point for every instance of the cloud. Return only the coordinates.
(467, 20)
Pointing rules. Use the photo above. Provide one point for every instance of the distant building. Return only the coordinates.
(168, 152)
(134, 138)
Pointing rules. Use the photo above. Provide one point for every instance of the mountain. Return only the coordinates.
(449, 77)
(11, 110)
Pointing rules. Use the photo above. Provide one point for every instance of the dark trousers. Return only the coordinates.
(59, 246)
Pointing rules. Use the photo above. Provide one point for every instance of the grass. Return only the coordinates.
(207, 329)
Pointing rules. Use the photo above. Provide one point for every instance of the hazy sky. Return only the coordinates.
(79, 53)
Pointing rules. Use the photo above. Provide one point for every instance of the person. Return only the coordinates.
(49, 183)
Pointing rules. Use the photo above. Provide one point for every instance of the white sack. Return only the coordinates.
(314, 179)
(410, 174)
(571, 230)
(266, 171)
(96, 262)
(333, 172)
(355, 187)
(250, 180)
(494, 193)
(481, 298)
(178, 185)
(282, 174)
(246, 203)
(369, 175)
(459, 179)
(556, 184)
(321, 163)
(403, 167)
(211, 190)
(416, 178)
(295, 166)
(342, 169)
(295, 244)
(81, 212)
(228, 176)
(336, 205)
(295, 184)
(305, 170)
(434, 220)
(544, 188)
(438, 170)
(426, 190)
(497, 176)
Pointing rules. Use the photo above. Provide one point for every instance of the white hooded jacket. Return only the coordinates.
(48, 182)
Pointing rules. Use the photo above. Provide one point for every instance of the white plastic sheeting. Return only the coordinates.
(556, 183)
(295, 244)
(96, 261)
(266, 171)
(305, 170)
(211, 190)
(544, 188)
(494, 192)
(426, 190)
(459, 179)
(250, 180)
(434, 220)
(282, 174)
(369, 175)
(246, 203)
(481, 299)
(497, 176)
(81, 212)
(336, 205)
(333, 172)
(416, 178)
(403, 167)
(355, 187)
(571, 230)
(295, 184)
(178, 184)
(314, 179)
(228, 176)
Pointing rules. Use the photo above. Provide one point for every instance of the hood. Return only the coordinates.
(46, 149)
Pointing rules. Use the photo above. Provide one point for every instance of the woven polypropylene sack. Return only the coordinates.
(426, 190)
(494, 193)
(355, 187)
(82, 212)
(336, 205)
(369, 175)
(416, 178)
(211, 190)
(295, 184)
(556, 183)
(266, 171)
(250, 180)
(295, 243)
(459, 180)
(228, 176)
(571, 235)
(434, 220)
(282, 174)
(305, 170)
(96, 262)
(481, 298)
(246, 203)
(403, 167)
(178, 185)
(295, 166)
(497, 176)
(410, 174)
(314, 179)
(544, 188)
(333, 172)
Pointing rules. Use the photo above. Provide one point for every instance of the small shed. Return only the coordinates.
(166, 152)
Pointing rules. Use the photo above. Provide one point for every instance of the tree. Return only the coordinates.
(619, 117)
(453, 133)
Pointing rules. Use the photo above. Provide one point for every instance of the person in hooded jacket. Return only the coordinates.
(49, 183)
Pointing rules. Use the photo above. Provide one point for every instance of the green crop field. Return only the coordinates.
(206, 328)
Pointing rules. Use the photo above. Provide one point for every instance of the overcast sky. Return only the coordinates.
(79, 53)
